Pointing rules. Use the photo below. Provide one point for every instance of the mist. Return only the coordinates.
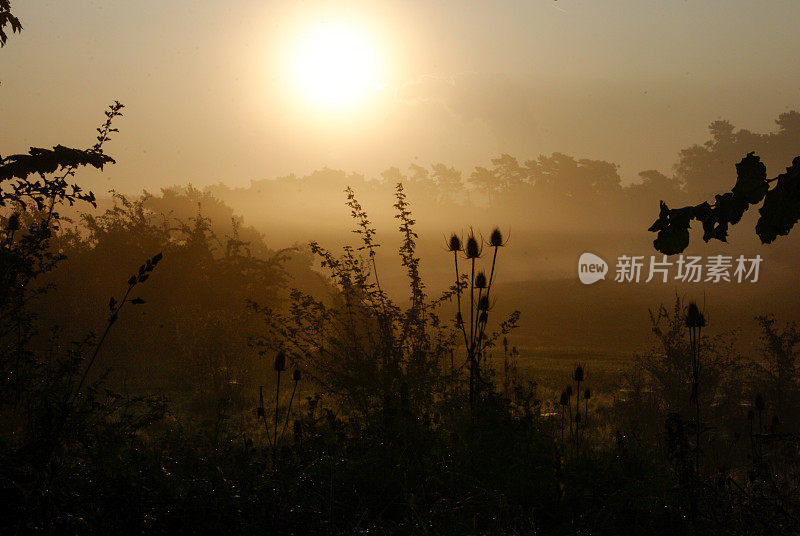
(399, 268)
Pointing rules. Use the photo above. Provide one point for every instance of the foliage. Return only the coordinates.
(361, 347)
(7, 19)
(779, 212)
(51, 404)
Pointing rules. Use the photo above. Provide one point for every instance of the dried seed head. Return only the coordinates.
(483, 317)
(259, 411)
(564, 400)
(587, 394)
(760, 405)
(473, 250)
(454, 244)
(578, 376)
(480, 280)
(694, 318)
(280, 361)
(296, 375)
(13, 222)
(569, 390)
(459, 319)
(483, 304)
(496, 239)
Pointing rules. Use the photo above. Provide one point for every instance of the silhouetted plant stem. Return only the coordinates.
(263, 413)
(698, 429)
(695, 321)
(111, 321)
(482, 327)
(277, 401)
(296, 379)
(459, 317)
(577, 416)
(472, 340)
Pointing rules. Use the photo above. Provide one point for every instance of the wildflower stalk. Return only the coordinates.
(472, 338)
(695, 321)
(296, 378)
(262, 412)
(280, 366)
(495, 241)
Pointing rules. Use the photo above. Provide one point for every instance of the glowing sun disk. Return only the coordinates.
(335, 66)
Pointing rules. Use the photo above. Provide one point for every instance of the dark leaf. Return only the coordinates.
(781, 208)
(751, 183)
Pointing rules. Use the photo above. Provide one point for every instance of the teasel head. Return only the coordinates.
(760, 405)
(694, 318)
(480, 280)
(569, 390)
(587, 394)
(483, 317)
(578, 375)
(472, 249)
(454, 244)
(296, 375)
(776, 420)
(459, 319)
(483, 304)
(496, 238)
(564, 400)
(13, 222)
(280, 361)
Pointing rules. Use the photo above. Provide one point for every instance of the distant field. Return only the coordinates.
(552, 369)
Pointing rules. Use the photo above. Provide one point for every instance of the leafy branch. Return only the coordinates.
(779, 211)
(6, 18)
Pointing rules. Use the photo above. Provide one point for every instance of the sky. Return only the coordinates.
(212, 94)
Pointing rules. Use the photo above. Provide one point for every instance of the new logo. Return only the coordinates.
(591, 268)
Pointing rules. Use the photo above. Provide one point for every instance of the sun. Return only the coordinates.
(335, 66)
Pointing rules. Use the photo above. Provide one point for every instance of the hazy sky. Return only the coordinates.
(211, 93)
